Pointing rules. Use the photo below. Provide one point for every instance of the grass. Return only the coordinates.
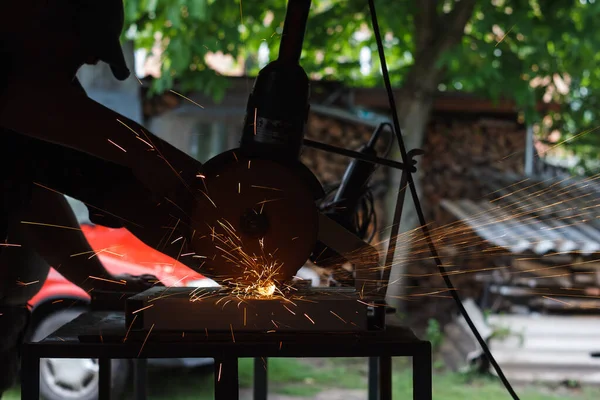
(306, 378)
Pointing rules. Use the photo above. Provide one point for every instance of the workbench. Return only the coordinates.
(104, 336)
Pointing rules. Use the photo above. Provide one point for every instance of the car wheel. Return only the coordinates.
(73, 378)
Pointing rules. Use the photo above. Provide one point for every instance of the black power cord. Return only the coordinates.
(419, 210)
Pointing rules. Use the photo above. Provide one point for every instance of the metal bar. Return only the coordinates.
(529, 139)
(422, 373)
(355, 251)
(393, 240)
(260, 378)
(30, 370)
(385, 378)
(226, 379)
(356, 154)
(373, 378)
(104, 385)
(294, 28)
(140, 376)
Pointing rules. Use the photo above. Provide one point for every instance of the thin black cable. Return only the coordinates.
(419, 210)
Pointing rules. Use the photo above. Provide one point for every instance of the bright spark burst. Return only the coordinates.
(257, 277)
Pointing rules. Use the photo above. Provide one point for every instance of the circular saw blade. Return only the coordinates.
(263, 223)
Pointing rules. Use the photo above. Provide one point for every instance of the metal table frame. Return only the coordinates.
(380, 347)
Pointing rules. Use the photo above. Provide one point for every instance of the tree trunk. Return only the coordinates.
(413, 112)
(435, 34)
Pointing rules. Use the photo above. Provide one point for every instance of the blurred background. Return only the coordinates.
(503, 97)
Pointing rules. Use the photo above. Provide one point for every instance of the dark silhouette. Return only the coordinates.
(55, 140)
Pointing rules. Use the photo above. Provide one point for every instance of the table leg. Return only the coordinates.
(30, 374)
(226, 379)
(422, 374)
(104, 386)
(385, 378)
(260, 378)
(373, 378)
(140, 375)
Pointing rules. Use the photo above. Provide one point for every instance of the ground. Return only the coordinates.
(345, 379)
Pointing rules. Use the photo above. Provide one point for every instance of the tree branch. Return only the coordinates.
(449, 34)
(426, 27)
(454, 23)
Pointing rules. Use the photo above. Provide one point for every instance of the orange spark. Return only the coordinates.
(501, 39)
(107, 280)
(265, 187)
(268, 201)
(310, 319)
(559, 301)
(127, 126)
(147, 336)
(340, 318)
(113, 143)
(187, 98)
(50, 225)
(147, 143)
(27, 283)
(129, 329)
(255, 112)
(142, 309)
(284, 306)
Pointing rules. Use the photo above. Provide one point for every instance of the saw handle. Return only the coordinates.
(294, 27)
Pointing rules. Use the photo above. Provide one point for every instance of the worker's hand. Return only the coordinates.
(136, 283)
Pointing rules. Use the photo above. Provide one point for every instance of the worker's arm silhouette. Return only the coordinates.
(50, 228)
(151, 197)
(127, 176)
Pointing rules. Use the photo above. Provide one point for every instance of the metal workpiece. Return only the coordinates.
(216, 310)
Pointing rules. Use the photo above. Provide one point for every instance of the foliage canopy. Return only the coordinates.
(524, 50)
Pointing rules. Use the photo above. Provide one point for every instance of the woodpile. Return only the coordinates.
(454, 146)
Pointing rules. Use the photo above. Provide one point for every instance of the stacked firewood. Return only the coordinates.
(454, 147)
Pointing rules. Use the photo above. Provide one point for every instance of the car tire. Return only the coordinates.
(73, 379)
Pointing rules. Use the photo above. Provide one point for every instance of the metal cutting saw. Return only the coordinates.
(258, 222)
